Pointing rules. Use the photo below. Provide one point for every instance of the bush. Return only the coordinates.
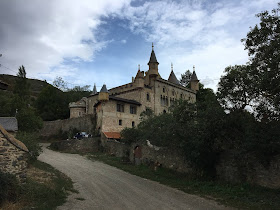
(9, 188)
(31, 142)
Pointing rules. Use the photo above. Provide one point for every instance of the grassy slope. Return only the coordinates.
(43, 191)
(243, 196)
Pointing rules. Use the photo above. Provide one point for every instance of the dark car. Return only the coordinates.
(78, 136)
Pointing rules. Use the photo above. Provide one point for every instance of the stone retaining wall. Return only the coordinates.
(249, 169)
(84, 145)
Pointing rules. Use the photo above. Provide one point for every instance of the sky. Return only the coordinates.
(103, 42)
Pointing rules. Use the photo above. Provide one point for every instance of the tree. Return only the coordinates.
(52, 104)
(28, 120)
(60, 84)
(263, 45)
(236, 89)
(21, 90)
(185, 78)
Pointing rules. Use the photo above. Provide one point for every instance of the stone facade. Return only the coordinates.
(121, 106)
(13, 155)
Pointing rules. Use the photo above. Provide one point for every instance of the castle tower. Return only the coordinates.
(194, 81)
(153, 64)
(139, 79)
(103, 94)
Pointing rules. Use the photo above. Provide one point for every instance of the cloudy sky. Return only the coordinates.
(94, 41)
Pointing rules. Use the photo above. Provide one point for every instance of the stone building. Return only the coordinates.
(13, 155)
(121, 106)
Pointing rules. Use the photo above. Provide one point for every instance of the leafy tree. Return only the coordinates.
(186, 78)
(60, 84)
(263, 45)
(236, 89)
(21, 90)
(52, 104)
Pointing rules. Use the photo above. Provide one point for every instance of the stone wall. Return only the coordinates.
(167, 158)
(249, 169)
(13, 159)
(85, 123)
(84, 145)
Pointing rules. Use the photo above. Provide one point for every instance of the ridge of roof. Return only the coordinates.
(13, 140)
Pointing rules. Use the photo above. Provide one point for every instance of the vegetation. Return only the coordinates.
(47, 194)
(242, 196)
(186, 78)
(31, 141)
(243, 118)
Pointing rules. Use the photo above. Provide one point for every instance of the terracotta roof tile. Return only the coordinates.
(112, 135)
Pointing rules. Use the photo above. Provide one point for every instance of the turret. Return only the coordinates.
(153, 64)
(103, 94)
(139, 79)
(194, 81)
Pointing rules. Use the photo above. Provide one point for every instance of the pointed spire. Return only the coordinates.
(171, 66)
(94, 91)
(172, 77)
(194, 77)
(153, 58)
(104, 89)
(138, 67)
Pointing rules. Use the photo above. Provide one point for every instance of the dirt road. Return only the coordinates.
(106, 187)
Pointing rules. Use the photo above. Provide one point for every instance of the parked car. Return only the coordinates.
(78, 136)
(81, 135)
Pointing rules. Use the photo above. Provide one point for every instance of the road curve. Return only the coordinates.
(106, 187)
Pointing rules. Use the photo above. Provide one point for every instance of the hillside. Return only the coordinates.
(36, 86)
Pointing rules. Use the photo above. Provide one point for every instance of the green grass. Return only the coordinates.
(243, 196)
(43, 196)
(47, 197)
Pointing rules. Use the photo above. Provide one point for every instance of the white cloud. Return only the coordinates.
(41, 34)
(189, 32)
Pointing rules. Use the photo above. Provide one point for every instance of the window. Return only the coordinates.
(120, 122)
(148, 97)
(120, 108)
(163, 89)
(181, 96)
(173, 92)
(132, 109)
(133, 124)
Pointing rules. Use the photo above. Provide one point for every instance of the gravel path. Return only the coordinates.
(106, 187)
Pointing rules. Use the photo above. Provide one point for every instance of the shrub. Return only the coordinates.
(31, 142)
(9, 188)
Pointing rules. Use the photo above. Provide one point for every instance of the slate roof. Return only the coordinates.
(153, 58)
(194, 77)
(9, 123)
(112, 135)
(13, 140)
(172, 78)
(104, 89)
(124, 100)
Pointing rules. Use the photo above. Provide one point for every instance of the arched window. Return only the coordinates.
(133, 124)
(148, 97)
(163, 89)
